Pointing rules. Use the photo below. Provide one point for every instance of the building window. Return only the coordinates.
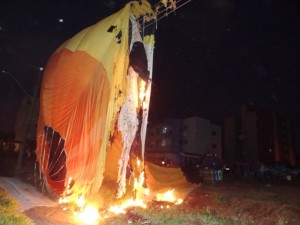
(164, 130)
(164, 142)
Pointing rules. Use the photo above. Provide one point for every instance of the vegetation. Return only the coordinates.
(172, 216)
(220, 199)
(9, 214)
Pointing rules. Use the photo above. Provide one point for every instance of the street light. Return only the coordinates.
(18, 83)
(29, 117)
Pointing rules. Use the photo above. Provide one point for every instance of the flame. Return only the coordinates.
(129, 203)
(89, 215)
(142, 90)
(138, 186)
(140, 194)
(117, 210)
(80, 202)
(86, 214)
(144, 94)
(169, 197)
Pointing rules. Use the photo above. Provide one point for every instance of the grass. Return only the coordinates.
(208, 217)
(172, 216)
(9, 214)
(220, 199)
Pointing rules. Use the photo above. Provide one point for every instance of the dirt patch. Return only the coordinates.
(50, 216)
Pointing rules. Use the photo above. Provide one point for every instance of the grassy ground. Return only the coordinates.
(229, 202)
(173, 216)
(9, 213)
(232, 201)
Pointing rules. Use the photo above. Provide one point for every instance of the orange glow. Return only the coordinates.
(129, 203)
(144, 95)
(142, 90)
(138, 185)
(89, 215)
(169, 197)
(140, 194)
(117, 210)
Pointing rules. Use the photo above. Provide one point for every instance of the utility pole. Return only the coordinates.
(28, 121)
(29, 116)
(17, 82)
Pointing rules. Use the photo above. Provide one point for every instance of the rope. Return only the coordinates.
(160, 12)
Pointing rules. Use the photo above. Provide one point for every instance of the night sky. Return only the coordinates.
(211, 56)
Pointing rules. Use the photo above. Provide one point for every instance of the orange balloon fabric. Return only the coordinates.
(83, 88)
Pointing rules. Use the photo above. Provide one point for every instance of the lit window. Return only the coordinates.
(164, 130)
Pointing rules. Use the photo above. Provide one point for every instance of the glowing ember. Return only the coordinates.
(63, 200)
(140, 193)
(138, 187)
(129, 203)
(134, 203)
(168, 197)
(116, 210)
(179, 201)
(142, 90)
(89, 215)
(80, 201)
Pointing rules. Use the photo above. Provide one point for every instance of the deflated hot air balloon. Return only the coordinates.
(90, 81)
(94, 99)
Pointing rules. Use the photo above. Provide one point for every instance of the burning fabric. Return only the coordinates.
(90, 88)
(94, 108)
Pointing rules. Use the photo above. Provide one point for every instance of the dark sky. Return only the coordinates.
(210, 55)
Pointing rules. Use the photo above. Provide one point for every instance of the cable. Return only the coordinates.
(160, 12)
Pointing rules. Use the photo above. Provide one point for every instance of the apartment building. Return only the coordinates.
(182, 139)
(22, 121)
(258, 135)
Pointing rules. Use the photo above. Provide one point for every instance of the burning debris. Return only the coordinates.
(89, 215)
(92, 215)
(136, 218)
